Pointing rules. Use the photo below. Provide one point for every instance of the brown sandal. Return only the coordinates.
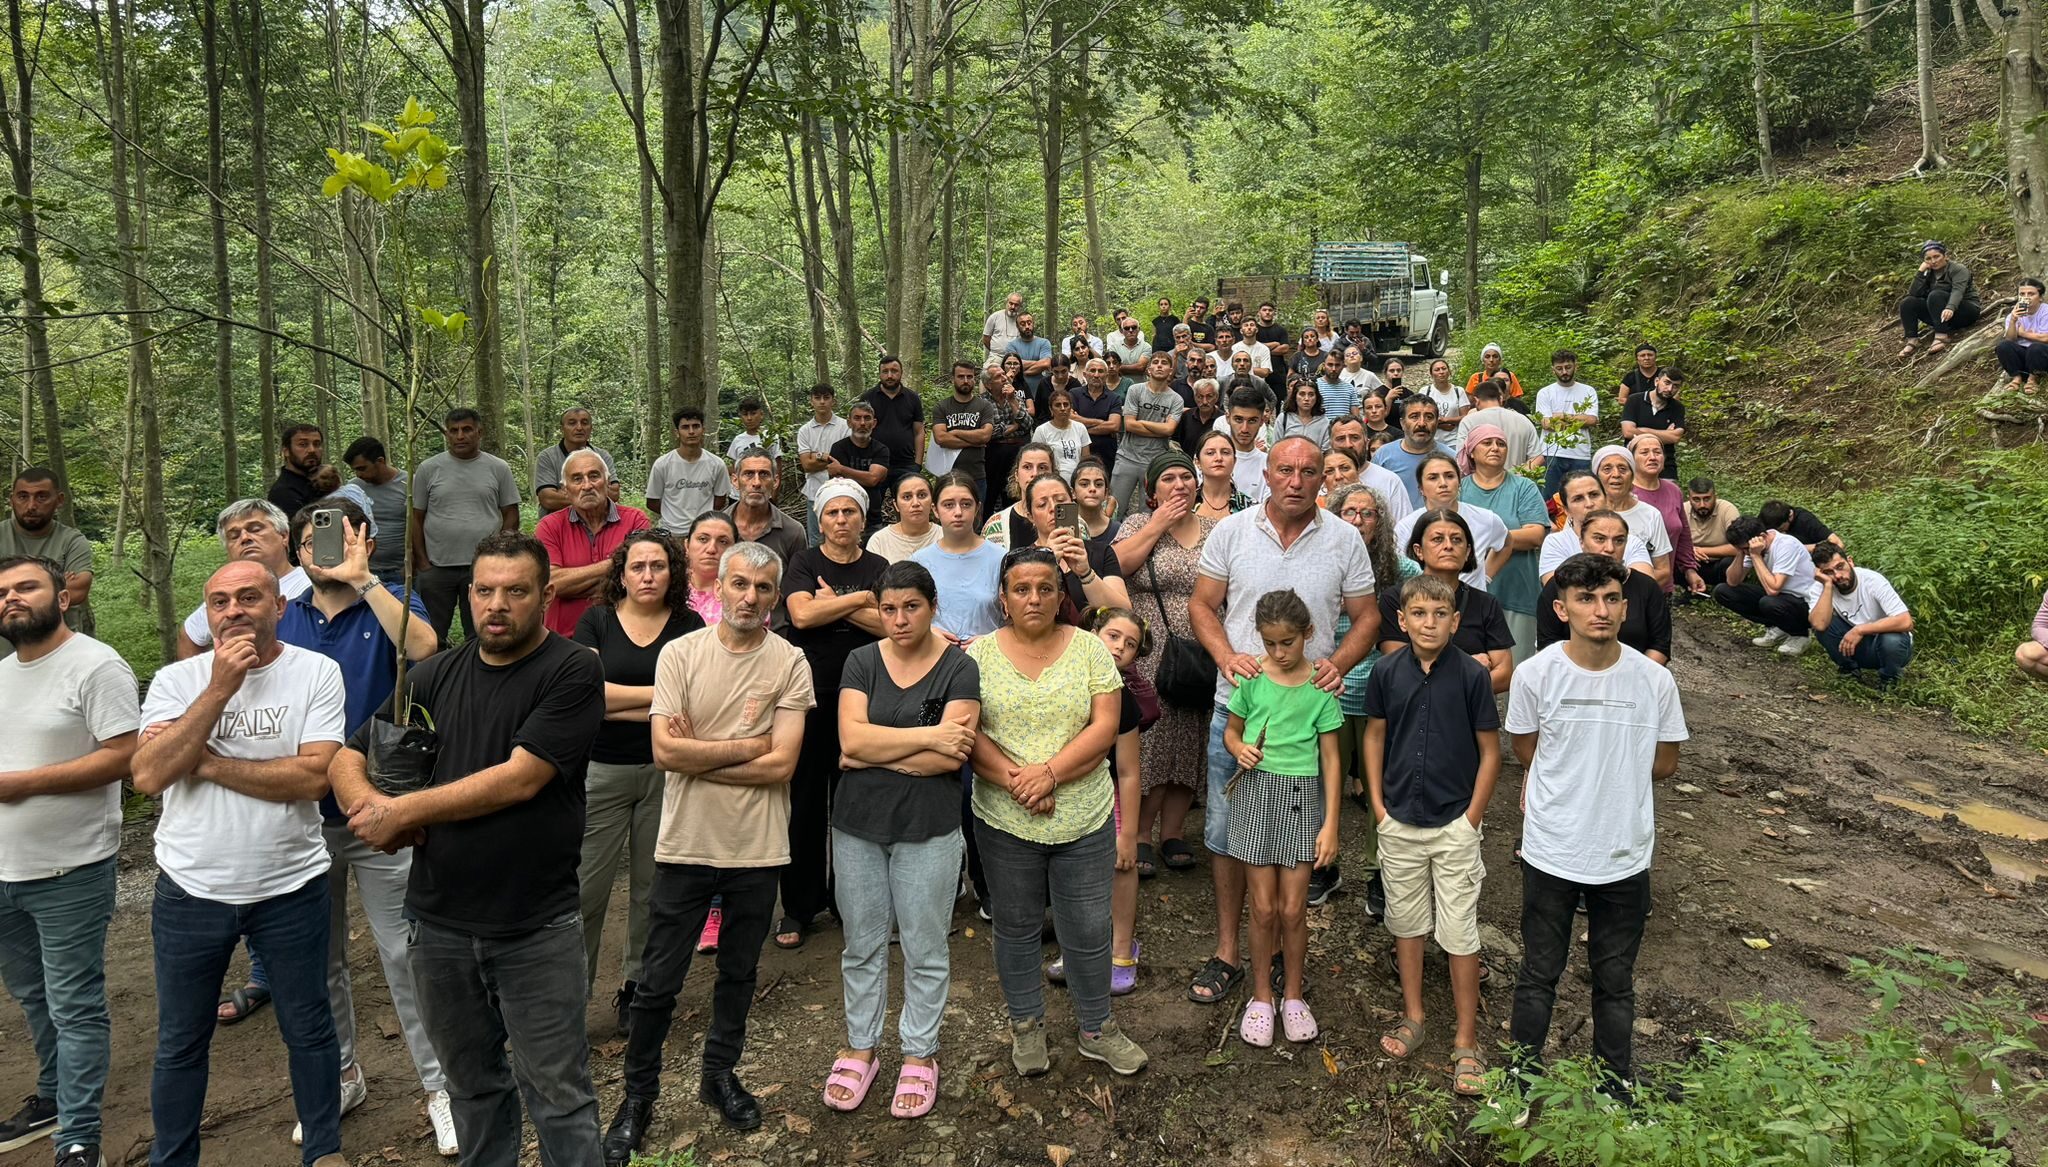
(1940, 345)
(1409, 1033)
(1912, 346)
(1468, 1083)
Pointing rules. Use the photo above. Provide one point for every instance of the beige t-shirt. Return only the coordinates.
(1712, 531)
(726, 695)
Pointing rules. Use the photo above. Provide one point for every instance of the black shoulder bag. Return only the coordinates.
(1187, 677)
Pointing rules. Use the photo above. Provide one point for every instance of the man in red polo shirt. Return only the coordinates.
(581, 537)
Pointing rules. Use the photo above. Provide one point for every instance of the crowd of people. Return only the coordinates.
(1013, 640)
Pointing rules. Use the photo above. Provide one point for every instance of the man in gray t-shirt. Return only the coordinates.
(966, 422)
(458, 497)
(384, 485)
(33, 529)
(1129, 352)
(1151, 417)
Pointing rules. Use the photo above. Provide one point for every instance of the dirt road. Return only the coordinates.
(1830, 825)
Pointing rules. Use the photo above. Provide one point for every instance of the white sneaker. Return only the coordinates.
(1794, 645)
(354, 1092)
(443, 1117)
(1771, 636)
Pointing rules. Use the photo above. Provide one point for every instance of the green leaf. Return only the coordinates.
(334, 185)
(376, 129)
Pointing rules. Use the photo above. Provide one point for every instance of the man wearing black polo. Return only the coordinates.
(497, 953)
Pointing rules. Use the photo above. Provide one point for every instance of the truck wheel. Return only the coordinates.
(1439, 340)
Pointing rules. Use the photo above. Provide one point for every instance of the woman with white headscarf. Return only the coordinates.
(1616, 469)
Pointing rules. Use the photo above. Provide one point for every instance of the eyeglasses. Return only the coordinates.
(1356, 513)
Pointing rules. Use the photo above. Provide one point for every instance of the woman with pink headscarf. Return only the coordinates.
(1491, 486)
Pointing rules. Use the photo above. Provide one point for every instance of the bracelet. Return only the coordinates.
(369, 585)
(1090, 578)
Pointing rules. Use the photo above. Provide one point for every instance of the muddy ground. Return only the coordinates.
(1900, 831)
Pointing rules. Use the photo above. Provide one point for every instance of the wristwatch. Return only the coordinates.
(369, 585)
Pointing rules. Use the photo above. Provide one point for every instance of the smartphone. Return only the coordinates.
(1068, 515)
(329, 537)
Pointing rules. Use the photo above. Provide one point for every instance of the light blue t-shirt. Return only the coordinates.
(969, 588)
(1036, 349)
(1517, 502)
(1394, 456)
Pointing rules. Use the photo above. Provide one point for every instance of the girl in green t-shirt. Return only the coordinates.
(1283, 806)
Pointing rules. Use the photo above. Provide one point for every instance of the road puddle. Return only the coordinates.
(1981, 816)
(2002, 956)
(2008, 865)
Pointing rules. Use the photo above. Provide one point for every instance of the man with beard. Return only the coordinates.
(1348, 434)
(1196, 422)
(581, 537)
(966, 423)
(1034, 350)
(71, 732)
(728, 720)
(758, 520)
(459, 496)
(497, 952)
(1151, 414)
(1659, 412)
(1001, 326)
(863, 459)
(1100, 411)
(1708, 515)
(1279, 353)
(1418, 441)
(899, 420)
(237, 742)
(304, 448)
(1200, 328)
(35, 532)
(1859, 618)
(352, 617)
(1567, 409)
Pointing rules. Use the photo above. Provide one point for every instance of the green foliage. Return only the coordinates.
(1775, 1092)
(1817, 85)
(120, 608)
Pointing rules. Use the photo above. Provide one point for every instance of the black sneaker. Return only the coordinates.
(1323, 883)
(1376, 897)
(80, 1155)
(37, 1119)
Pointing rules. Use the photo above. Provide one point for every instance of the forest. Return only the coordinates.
(231, 215)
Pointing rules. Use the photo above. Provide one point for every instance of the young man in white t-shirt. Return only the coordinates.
(237, 742)
(814, 441)
(71, 728)
(1594, 723)
(688, 480)
(1859, 617)
(1567, 409)
(1770, 584)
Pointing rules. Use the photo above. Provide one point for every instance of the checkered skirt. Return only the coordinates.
(1274, 819)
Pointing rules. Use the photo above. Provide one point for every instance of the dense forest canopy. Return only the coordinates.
(666, 203)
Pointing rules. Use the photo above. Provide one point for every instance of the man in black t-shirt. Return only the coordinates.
(1658, 412)
(496, 837)
(899, 419)
(859, 457)
(1274, 335)
(1802, 524)
(1643, 377)
(1199, 326)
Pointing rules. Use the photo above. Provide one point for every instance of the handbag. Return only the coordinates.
(1187, 677)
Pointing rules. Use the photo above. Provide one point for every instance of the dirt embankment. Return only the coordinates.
(1831, 828)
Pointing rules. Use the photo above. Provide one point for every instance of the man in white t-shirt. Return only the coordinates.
(71, 728)
(256, 530)
(1567, 409)
(752, 435)
(1001, 326)
(237, 743)
(1243, 418)
(814, 441)
(1594, 723)
(1859, 617)
(1771, 584)
(688, 480)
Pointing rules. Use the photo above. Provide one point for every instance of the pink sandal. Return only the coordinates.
(850, 1074)
(922, 1081)
(1299, 1023)
(1257, 1026)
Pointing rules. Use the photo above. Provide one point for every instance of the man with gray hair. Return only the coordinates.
(577, 423)
(581, 537)
(250, 529)
(1001, 326)
(728, 720)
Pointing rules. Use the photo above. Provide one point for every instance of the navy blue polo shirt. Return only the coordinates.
(356, 642)
(1432, 758)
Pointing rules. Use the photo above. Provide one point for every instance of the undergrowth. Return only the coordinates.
(1776, 1092)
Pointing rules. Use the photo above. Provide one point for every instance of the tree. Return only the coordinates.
(2022, 107)
(223, 286)
(1760, 91)
(18, 110)
(1930, 117)
(251, 37)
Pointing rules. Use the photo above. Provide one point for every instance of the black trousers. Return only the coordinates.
(807, 881)
(2021, 360)
(1914, 311)
(1615, 915)
(679, 903)
(444, 591)
(1786, 613)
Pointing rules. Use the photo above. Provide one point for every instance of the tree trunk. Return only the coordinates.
(893, 276)
(1098, 275)
(1760, 92)
(656, 417)
(223, 291)
(712, 280)
(467, 52)
(131, 240)
(251, 36)
(527, 442)
(1959, 16)
(359, 253)
(18, 111)
(1473, 162)
(323, 367)
(1866, 24)
(2023, 100)
(677, 21)
(1930, 117)
(798, 158)
(949, 264)
(920, 195)
(1053, 155)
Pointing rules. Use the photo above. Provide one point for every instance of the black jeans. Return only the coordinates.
(675, 917)
(1785, 612)
(1914, 311)
(2021, 360)
(444, 591)
(807, 881)
(480, 995)
(1615, 913)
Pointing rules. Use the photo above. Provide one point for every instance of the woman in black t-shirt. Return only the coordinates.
(1442, 543)
(646, 604)
(831, 592)
(1090, 576)
(909, 708)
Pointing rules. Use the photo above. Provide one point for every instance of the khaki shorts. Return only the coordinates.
(1432, 877)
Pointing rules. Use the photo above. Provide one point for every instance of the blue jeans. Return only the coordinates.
(1555, 468)
(1887, 652)
(479, 995)
(1215, 806)
(911, 885)
(195, 938)
(53, 956)
(1022, 875)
